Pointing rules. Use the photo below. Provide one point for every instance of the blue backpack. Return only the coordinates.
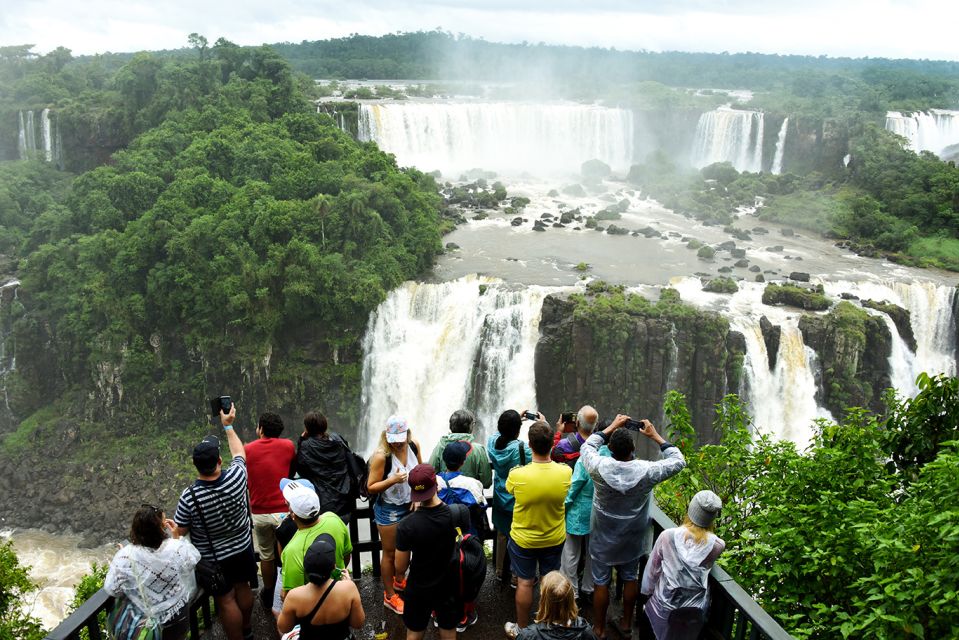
(479, 525)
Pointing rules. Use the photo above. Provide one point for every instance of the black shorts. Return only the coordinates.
(240, 567)
(418, 605)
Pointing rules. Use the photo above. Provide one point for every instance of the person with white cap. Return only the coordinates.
(310, 523)
(677, 574)
(396, 454)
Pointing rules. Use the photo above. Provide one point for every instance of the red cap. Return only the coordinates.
(422, 481)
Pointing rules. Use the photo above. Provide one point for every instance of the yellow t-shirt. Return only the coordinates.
(539, 518)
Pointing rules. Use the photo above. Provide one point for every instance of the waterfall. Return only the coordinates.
(433, 348)
(781, 400)
(49, 136)
(729, 135)
(777, 167)
(932, 320)
(932, 130)
(543, 139)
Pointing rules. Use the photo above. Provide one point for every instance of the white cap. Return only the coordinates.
(303, 501)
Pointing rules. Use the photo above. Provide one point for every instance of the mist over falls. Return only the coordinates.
(481, 342)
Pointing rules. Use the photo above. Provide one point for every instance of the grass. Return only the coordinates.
(936, 252)
(20, 439)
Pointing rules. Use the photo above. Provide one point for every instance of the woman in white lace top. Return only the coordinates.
(155, 572)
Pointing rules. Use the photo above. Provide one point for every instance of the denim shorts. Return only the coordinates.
(523, 561)
(386, 514)
(603, 573)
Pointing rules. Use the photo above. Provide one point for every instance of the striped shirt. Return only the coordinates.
(225, 510)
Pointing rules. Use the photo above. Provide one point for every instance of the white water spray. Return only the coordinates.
(543, 139)
(431, 349)
(777, 167)
(729, 135)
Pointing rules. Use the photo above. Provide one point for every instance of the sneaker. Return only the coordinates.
(395, 604)
(512, 630)
(468, 621)
(399, 585)
(513, 582)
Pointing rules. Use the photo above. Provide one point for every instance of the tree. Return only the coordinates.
(15, 590)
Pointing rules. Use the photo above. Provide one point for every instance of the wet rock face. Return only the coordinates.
(626, 361)
(900, 317)
(772, 335)
(853, 349)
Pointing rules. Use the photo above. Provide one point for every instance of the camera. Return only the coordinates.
(634, 425)
(222, 403)
(530, 415)
(568, 418)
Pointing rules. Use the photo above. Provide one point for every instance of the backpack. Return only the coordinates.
(359, 473)
(561, 456)
(467, 570)
(479, 524)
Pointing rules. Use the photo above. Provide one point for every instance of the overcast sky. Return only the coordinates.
(887, 28)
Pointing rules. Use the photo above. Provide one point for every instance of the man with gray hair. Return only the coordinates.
(566, 447)
(477, 461)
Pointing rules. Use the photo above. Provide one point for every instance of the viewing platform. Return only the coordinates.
(733, 614)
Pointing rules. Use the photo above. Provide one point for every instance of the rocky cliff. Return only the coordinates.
(621, 353)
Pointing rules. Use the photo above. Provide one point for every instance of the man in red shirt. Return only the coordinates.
(268, 460)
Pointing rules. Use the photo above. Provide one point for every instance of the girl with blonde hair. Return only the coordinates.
(558, 616)
(390, 465)
(677, 574)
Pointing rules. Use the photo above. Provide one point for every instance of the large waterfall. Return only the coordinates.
(509, 137)
(777, 167)
(729, 135)
(49, 136)
(932, 130)
(433, 348)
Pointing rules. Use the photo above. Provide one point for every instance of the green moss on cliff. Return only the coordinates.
(791, 295)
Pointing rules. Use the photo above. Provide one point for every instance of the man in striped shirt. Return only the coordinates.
(215, 511)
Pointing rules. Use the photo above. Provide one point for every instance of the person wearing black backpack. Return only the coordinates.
(323, 458)
(428, 534)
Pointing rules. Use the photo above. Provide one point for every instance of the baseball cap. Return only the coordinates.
(396, 429)
(303, 500)
(422, 481)
(320, 559)
(207, 453)
(454, 455)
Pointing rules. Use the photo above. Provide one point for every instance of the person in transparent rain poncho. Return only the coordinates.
(678, 570)
(621, 532)
(155, 572)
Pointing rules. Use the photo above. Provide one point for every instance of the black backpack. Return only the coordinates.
(467, 571)
(358, 471)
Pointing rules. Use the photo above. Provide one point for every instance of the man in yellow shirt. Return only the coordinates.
(539, 519)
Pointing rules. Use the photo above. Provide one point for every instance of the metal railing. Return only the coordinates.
(733, 614)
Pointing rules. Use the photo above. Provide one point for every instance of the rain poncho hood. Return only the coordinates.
(621, 500)
(578, 630)
(502, 460)
(677, 577)
(476, 465)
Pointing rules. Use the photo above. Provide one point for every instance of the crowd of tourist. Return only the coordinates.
(570, 506)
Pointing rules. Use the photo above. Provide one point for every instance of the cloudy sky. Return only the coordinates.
(888, 28)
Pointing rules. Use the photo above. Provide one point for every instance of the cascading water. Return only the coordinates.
(433, 348)
(932, 130)
(543, 139)
(49, 147)
(729, 135)
(930, 307)
(777, 167)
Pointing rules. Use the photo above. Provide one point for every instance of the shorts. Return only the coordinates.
(240, 567)
(418, 605)
(386, 514)
(603, 573)
(523, 561)
(264, 534)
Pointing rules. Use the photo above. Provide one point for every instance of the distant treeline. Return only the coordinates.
(444, 56)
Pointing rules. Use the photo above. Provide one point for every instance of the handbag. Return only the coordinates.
(127, 622)
(209, 574)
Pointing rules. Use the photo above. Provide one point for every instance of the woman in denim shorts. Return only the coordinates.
(395, 455)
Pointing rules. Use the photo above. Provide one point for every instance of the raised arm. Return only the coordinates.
(236, 445)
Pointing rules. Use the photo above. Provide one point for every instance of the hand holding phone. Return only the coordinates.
(530, 415)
